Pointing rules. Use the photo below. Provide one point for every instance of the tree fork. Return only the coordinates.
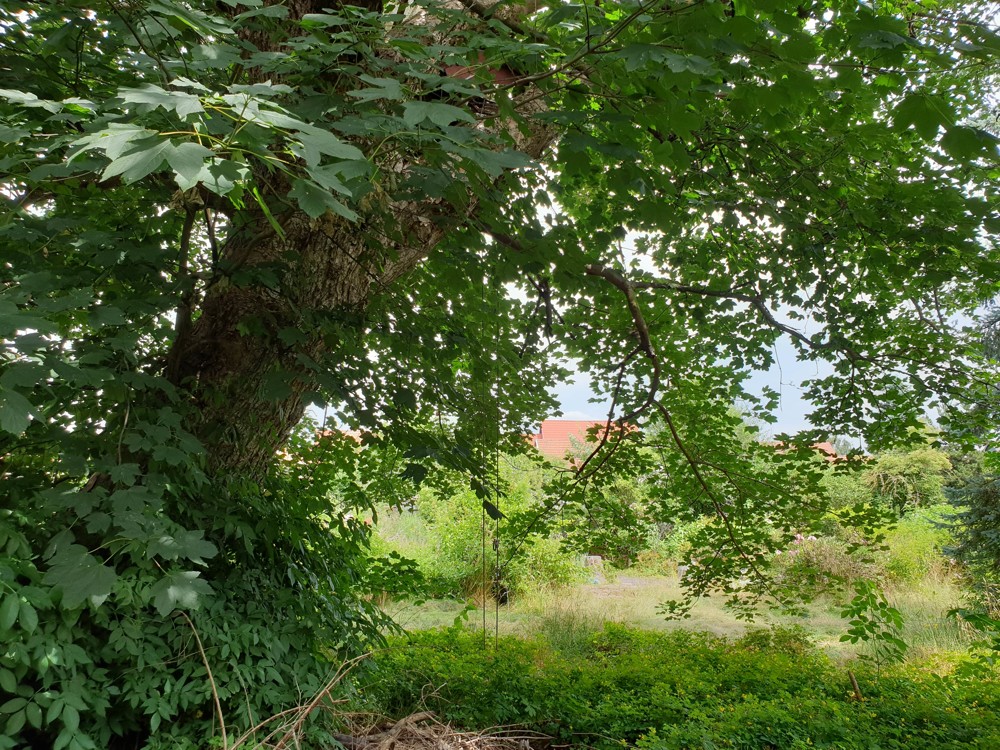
(324, 267)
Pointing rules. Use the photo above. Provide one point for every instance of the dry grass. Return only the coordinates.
(422, 731)
(566, 616)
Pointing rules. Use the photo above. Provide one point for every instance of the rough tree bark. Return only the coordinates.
(327, 266)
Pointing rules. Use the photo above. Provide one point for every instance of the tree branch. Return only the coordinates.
(642, 330)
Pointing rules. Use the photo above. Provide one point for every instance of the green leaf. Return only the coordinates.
(23, 374)
(8, 611)
(79, 576)
(150, 97)
(265, 89)
(26, 99)
(113, 140)
(442, 115)
(194, 19)
(12, 134)
(316, 141)
(15, 412)
(222, 176)
(327, 177)
(125, 473)
(316, 201)
(383, 88)
(190, 545)
(962, 142)
(924, 112)
(188, 161)
(27, 617)
(15, 724)
(495, 163)
(141, 159)
(33, 712)
(54, 710)
(70, 718)
(187, 83)
(14, 704)
(179, 590)
(883, 40)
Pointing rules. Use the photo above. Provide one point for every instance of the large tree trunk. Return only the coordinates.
(228, 357)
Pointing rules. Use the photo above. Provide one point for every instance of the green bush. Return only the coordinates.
(820, 563)
(914, 479)
(913, 549)
(610, 522)
(667, 546)
(453, 558)
(917, 544)
(280, 592)
(845, 488)
(444, 536)
(653, 563)
(977, 540)
(770, 689)
(544, 563)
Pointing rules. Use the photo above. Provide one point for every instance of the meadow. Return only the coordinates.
(572, 613)
(578, 648)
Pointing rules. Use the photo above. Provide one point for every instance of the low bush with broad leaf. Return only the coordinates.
(771, 688)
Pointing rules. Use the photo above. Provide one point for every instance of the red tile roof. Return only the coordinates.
(557, 437)
(827, 449)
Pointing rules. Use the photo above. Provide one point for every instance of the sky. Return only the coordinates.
(785, 377)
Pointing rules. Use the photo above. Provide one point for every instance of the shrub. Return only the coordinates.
(822, 563)
(977, 541)
(544, 563)
(909, 480)
(673, 541)
(791, 641)
(281, 592)
(444, 536)
(654, 563)
(670, 691)
(845, 488)
(610, 522)
(916, 545)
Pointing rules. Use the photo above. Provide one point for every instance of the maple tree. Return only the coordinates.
(215, 214)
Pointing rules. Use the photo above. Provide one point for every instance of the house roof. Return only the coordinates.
(557, 437)
(827, 449)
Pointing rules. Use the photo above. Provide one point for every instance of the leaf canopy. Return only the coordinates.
(213, 215)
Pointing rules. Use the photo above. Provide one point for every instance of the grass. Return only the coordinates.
(567, 617)
(925, 589)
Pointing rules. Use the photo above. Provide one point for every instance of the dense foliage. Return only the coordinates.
(769, 689)
(442, 530)
(214, 214)
(291, 587)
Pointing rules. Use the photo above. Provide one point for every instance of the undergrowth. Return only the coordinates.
(769, 689)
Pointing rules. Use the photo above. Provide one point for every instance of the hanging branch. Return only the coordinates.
(184, 309)
(642, 331)
(646, 346)
(717, 504)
